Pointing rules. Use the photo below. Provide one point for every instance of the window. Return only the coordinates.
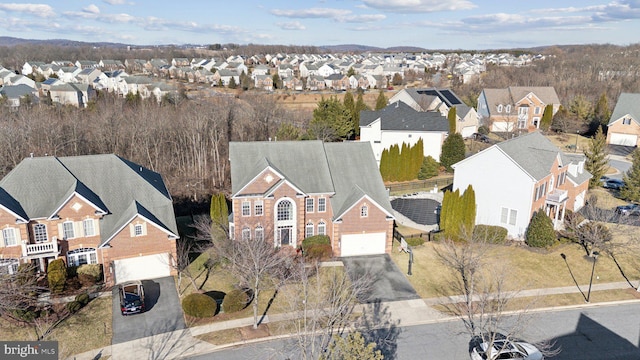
(9, 236)
(523, 110)
(500, 108)
(536, 122)
(322, 205)
(308, 232)
(67, 230)
(522, 123)
(322, 228)
(364, 211)
(82, 256)
(258, 208)
(507, 109)
(259, 233)
(8, 266)
(561, 177)
(87, 226)
(246, 233)
(138, 230)
(551, 184)
(536, 110)
(626, 121)
(246, 208)
(40, 233)
(508, 216)
(285, 210)
(309, 205)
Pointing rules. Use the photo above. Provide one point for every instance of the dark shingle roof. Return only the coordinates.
(400, 116)
(628, 104)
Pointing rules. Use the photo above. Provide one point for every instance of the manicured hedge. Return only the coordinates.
(315, 240)
(540, 232)
(235, 300)
(74, 306)
(94, 270)
(319, 252)
(199, 305)
(56, 275)
(83, 298)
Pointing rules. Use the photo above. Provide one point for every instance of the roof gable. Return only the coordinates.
(628, 105)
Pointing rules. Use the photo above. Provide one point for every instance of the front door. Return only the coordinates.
(284, 235)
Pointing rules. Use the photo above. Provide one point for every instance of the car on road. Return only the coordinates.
(614, 184)
(131, 297)
(628, 210)
(505, 349)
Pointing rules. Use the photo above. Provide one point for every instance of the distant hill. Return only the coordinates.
(356, 48)
(11, 41)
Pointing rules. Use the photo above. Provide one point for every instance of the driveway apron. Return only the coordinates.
(163, 312)
(388, 282)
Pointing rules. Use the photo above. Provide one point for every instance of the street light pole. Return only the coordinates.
(593, 267)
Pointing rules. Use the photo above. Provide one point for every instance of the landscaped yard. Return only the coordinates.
(527, 268)
(89, 328)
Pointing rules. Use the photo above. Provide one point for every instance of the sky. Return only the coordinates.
(430, 24)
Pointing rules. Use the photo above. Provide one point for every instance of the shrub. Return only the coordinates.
(74, 306)
(319, 252)
(83, 298)
(27, 315)
(315, 240)
(199, 305)
(57, 275)
(235, 300)
(429, 168)
(86, 280)
(540, 232)
(492, 234)
(414, 241)
(483, 130)
(94, 270)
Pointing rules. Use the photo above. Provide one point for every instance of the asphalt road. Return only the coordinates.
(621, 166)
(600, 332)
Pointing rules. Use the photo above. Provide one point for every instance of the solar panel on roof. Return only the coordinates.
(451, 97)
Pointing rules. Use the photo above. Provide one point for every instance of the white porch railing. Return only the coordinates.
(557, 195)
(40, 248)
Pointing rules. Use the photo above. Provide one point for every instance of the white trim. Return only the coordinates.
(14, 214)
(389, 215)
(252, 180)
(282, 182)
(55, 213)
(127, 223)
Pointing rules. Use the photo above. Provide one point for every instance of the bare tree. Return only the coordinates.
(18, 291)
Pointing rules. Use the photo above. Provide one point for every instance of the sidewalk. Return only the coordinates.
(182, 343)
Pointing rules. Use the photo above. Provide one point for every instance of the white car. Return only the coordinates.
(506, 349)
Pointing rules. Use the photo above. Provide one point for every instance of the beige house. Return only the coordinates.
(624, 126)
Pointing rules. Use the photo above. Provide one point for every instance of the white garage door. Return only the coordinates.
(579, 203)
(363, 244)
(142, 267)
(624, 139)
(467, 131)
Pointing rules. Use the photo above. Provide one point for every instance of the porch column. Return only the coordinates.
(564, 206)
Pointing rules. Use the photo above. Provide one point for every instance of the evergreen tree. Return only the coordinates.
(381, 101)
(232, 83)
(350, 105)
(540, 232)
(547, 118)
(417, 158)
(468, 210)
(359, 106)
(631, 189)
(451, 116)
(351, 347)
(397, 79)
(384, 165)
(597, 161)
(405, 163)
(219, 213)
(351, 72)
(330, 121)
(287, 131)
(394, 166)
(429, 168)
(601, 112)
(453, 150)
(277, 82)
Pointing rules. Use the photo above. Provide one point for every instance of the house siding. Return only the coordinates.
(375, 222)
(619, 128)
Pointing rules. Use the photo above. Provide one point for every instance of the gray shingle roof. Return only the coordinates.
(16, 91)
(512, 94)
(315, 168)
(533, 152)
(400, 116)
(627, 104)
(114, 185)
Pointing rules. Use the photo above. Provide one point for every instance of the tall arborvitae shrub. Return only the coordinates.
(394, 155)
(468, 210)
(219, 212)
(547, 118)
(452, 120)
(57, 276)
(458, 214)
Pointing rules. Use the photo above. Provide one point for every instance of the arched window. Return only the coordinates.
(246, 233)
(500, 108)
(285, 210)
(8, 266)
(40, 233)
(308, 232)
(259, 233)
(82, 256)
(322, 228)
(507, 109)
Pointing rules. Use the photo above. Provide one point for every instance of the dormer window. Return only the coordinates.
(626, 121)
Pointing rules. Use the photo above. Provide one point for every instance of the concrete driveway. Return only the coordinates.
(389, 283)
(163, 312)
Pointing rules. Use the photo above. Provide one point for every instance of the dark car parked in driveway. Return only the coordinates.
(629, 210)
(614, 184)
(480, 137)
(131, 297)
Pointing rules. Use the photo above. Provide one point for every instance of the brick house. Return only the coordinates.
(287, 191)
(624, 125)
(516, 108)
(97, 209)
(517, 177)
